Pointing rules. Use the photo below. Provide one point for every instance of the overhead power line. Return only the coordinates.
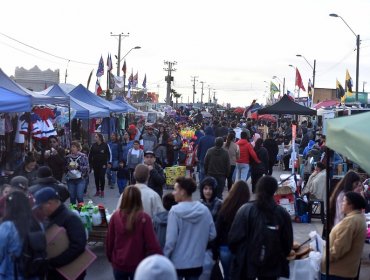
(45, 52)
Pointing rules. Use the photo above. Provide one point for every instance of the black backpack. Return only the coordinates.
(33, 260)
(265, 243)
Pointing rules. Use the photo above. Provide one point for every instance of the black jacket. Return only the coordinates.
(76, 235)
(241, 232)
(262, 167)
(99, 155)
(272, 148)
(157, 179)
(217, 162)
(53, 183)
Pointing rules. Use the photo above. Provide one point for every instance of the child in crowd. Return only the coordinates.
(123, 176)
(160, 219)
(5, 190)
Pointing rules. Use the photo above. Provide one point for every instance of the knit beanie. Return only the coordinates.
(155, 267)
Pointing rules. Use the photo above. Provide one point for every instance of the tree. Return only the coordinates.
(175, 95)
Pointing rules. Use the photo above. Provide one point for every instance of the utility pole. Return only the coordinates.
(194, 79)
(120, 35)
(209, 94)
(169, 79)
(201, 96)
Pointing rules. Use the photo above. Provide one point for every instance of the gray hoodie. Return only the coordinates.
(189, 229)
(160, 226)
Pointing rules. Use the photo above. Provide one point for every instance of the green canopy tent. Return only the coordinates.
(349, 136)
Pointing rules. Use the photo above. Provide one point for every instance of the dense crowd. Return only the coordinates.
(224, 151)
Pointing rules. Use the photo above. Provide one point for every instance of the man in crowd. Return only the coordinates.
(156, 175)
(206, 142)
(150, 141)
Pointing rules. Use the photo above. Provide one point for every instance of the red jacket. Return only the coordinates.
(246, 152)
(126, 250)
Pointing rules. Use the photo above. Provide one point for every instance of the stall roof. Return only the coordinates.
(287, 106)
(350, 136)
(83, 110)
(14, 102)
(122, 103)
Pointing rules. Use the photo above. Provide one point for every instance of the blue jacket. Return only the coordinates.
(308, 148)
(206, 142)
(10, 245)
(115, 149)
(189, 229)
(124, 148)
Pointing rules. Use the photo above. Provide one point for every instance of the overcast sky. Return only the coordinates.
(233, 46)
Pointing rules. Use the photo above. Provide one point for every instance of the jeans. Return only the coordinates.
(226, 259)
(241, 171)
(333, 277)
(201, 171)
(111, 174)
(76, 188)
(121, 275)
(230, 179)
(220, 184)
(122, 183)
(161, 154)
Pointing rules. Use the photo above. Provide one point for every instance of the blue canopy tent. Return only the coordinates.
(83, 94)
(122, 103)
(83, 110)
(13, 102)
(36, 98)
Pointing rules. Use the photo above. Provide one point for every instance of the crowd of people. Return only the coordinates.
(223, 225)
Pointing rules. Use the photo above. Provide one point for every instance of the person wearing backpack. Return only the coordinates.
(261, 236)
(21, 235)
(47, 200)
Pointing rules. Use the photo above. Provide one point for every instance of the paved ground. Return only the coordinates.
(101, 268)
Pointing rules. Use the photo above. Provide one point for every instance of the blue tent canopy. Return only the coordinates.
(122, 103)
(83, 94)
(13, 102)
(83, 110)
(36, 98)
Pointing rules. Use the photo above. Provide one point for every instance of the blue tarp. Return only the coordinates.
(122, 103)
(13, 102)
(83, 110)
(83, 94)
(36, 98)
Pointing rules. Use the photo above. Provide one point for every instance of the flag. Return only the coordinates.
(339, 90)
(273, 88)
(309, 89)
(118, 81)
(135, 79)
(290, 95)
(130, 79)
(124, 68)
(111, 81)
(98, 89)
(89, 79)
(298, 80)
(247, 111)
(144, 82)
(100, 71)
(109, 63)
(128, 96)
(349, 83)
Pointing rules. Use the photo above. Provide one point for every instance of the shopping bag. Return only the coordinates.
(216, 273)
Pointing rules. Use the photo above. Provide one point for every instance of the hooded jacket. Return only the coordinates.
(217, 162)
(214, 205)
(160, 226)
(190, 227)
(206, 142)
(246, 152)
(308, 147)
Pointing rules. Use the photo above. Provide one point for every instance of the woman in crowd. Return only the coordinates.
(350, 182)
(28, 168)
(347, 240)
(258, 169)
(99, 157)
(256, 225)
(233, 149)
(239, 194)
(116, 152)
(126, 144)
(130, 236)
(161, 149)
(273, 149)
(55, 157)
(77, 166)
(208, 195)
(17, 221)
(189, 229)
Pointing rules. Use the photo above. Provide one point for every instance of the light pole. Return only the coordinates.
(295, 82)
(312, 67)
(363, 86)
(120, 35)
(357, 49)
(134, 48)
(278, 79)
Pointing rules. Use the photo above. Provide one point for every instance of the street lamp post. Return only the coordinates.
(120, 35)
(119, 62)
(357, 49)
(313, 73)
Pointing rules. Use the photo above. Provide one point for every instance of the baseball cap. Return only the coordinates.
(19, 182)
(44, 195)
(149, 153)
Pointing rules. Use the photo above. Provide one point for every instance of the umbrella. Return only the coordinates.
(267, 117)
(326, 103)
(239, 110)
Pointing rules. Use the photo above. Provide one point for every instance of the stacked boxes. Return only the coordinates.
(173, 172)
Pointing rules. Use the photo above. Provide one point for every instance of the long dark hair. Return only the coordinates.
(131, 205)
(345, 185)
(238, 195)
(18, 211)
(258, 144)
(265, 190)
(230, 138)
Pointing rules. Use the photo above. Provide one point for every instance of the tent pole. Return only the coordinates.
(328, 187)
(69, 121)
